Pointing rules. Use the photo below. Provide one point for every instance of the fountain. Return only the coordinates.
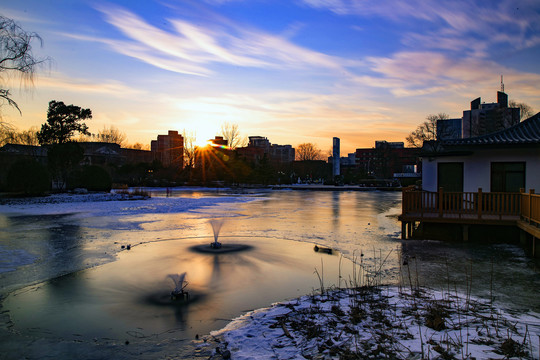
(179, 285)
(217, 247)
(216, 228)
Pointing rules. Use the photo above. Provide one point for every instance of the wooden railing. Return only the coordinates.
(463, 204)
(530, 207)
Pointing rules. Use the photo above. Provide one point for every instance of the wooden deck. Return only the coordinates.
(470, 208)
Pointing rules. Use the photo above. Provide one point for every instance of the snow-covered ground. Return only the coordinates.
(381, 322)
(111, 204)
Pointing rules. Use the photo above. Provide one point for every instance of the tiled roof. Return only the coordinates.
(526, 132)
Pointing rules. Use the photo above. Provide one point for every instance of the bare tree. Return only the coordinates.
(425, 131)
(138, 146)
(189, 147)
(111, 135)
(525, 110)
(308, 151)
(16, 57)
(28, 137)
(9, 135)
(231, 133)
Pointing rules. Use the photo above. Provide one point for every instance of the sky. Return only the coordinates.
(293, 71)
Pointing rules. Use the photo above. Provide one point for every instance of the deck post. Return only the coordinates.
(440, 202)
(410, 229)
(403, 230)
(465, 233)
(531, 193)
(480, 203)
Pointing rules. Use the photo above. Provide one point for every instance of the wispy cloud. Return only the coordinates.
(193, 48)
(114, 88)
(513, 21)
(422, 73)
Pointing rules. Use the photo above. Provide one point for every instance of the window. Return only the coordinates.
(450, 176)
(507, 176)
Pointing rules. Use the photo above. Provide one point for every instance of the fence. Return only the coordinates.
(421, 204)
(530, 207)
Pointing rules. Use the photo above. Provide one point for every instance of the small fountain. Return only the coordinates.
(180, 284)
(217, 247)
(216, 228)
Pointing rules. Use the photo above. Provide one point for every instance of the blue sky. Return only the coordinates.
(294, 71)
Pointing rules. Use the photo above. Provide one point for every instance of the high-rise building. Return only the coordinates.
(258, 146)
(387, 158)
(485, 118)
(169, 149)
(449, 129)
(336, 157)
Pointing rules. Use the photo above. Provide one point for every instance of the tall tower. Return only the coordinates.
(336, 157)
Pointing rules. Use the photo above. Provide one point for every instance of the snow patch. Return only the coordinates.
(383, 322)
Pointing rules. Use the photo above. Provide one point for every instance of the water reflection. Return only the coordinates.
(131, 297)
(501, 272)
(44, 238)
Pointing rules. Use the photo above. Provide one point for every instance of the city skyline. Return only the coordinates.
(292, 71)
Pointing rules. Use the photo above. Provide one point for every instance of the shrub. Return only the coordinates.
(92, 177)
(28, 177)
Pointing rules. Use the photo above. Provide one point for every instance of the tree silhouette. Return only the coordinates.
(231, 133)
(525, 110)
(63, 121)
(189, 147)
(425, 131)
(308, 151)
(16, 57)
(111, 135)
(24, 137)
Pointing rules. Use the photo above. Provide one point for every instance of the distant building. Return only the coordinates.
(169, 149)
(481, 119)
(383, 144)
(348, 161)
(259, 142)
(484, 119)
(336, 167)
(99, 153)
(387, 159)
(449, 129)
(95, 153)
(219, 141)
(258, 146)
(282, 153)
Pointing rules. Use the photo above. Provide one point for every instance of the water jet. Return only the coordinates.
(180, 284)
(217, 247)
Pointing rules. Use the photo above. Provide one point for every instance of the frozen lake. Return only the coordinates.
(69, 288)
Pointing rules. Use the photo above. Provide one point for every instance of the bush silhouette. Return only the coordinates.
(28, 177)
(92, 177)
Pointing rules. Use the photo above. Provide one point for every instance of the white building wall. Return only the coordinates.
(477, 168)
